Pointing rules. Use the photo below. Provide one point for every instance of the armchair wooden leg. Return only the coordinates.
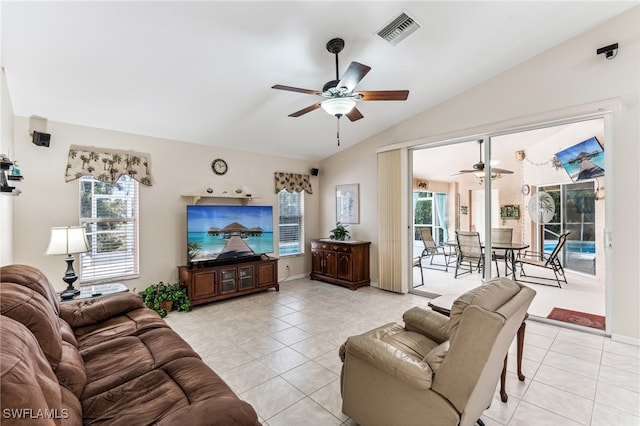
(520, 338)
(503, 379)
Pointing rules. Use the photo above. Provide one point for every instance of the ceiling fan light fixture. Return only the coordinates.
(338, 106)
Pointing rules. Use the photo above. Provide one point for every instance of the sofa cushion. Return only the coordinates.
(26, 377)
(26, 306)
(435, 357)
(32, 278)
(181, 390)
(67, 333)
(112, 363)
(87, 312)
(71, 370)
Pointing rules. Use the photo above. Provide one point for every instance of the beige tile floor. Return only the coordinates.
(279, 352)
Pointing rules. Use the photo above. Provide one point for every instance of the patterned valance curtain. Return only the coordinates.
(107, 165)
(292, 182)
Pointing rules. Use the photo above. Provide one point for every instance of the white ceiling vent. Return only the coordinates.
(398, 29)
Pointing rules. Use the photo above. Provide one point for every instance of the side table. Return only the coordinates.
(442, 305)
(91, 291)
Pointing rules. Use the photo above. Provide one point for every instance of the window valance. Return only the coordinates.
(293, 182)
(107, 165)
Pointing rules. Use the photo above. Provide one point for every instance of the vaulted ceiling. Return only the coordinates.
(202, 72)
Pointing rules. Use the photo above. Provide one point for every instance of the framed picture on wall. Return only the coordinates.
(347, 203)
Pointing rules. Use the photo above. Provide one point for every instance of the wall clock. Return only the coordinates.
(525, 189)
(219, 166)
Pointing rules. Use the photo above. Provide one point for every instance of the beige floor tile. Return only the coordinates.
(621, 378)
(572, 364)
(330, 399)
(283, 360)
(247, 376)
(567, 381)
(314, 347)
(559, 402)
(306, 412)
(309, 377)
(619, 398)
(622, 362)
(271, 397)
(262, 346)
(528, 415)
(291, 335)
(605, 415)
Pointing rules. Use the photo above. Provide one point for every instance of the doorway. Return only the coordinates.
(531, 155)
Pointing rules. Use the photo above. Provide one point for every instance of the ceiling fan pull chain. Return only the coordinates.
(338, 130)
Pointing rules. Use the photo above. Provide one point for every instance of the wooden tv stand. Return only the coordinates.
(344, 263)
(210, 283)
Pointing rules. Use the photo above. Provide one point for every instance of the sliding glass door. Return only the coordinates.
(574, 213)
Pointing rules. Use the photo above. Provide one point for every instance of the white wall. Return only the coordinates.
(6, 147)
(177, 168)
(550, 86)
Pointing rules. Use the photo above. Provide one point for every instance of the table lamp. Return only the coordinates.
(68, 240)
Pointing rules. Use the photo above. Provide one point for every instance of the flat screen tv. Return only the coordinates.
(584, 160)
(227, 233)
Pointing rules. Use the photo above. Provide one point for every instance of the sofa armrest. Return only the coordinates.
(81, 313)
(428, 323)
(386, 357)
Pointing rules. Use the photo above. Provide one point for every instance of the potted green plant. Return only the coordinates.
(163, 298)
(340, 232)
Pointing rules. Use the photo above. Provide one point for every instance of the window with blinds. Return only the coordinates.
(291, 222)
(109, 212)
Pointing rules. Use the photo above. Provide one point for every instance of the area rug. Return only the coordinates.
(578, 318)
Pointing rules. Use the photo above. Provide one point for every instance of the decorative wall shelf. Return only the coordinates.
(6, 176)
(244, 198)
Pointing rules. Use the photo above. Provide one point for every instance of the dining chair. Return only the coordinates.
(431, 250)
(470, 251)
(502, 235)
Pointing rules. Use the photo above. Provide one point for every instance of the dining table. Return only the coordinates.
(510, 250)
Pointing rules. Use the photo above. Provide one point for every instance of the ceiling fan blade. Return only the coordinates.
(384, 95)
(353, 75)
(354, 114)
(296, 89)
(305, 110)
(501, 171)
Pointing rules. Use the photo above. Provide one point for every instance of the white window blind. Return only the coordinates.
(109, 212)
(291, 222)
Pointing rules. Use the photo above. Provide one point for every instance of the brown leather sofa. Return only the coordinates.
(436, 370)
(108, 360)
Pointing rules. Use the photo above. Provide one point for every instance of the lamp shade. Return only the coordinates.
(68, 240)
(338, 106)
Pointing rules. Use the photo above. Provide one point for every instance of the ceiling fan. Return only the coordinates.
(478, 168)
(339, 93)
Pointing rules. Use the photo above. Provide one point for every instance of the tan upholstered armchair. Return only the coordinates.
(435, 370)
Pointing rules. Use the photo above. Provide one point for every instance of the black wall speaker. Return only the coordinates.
(41, 139)
(314, 172)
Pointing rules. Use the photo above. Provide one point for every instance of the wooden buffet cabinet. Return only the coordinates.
(209, 283)
(340, 262)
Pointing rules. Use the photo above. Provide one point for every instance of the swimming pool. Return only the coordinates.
(572, 246)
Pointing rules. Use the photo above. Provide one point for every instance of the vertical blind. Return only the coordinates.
(390, 223)
(109, 213)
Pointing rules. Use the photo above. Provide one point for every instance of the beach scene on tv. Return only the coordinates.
(584, 160)
(228, 232)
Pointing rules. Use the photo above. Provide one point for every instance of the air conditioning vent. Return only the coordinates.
(398, 29)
